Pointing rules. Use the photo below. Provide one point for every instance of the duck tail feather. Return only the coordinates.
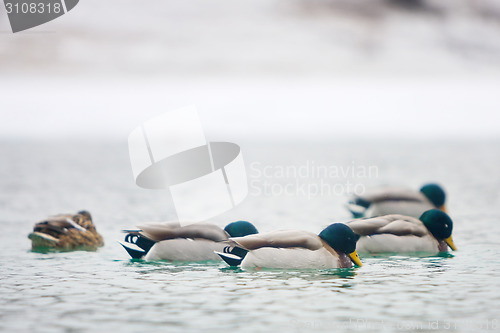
(233, 257)
(230, 259)
(133, 250)
(357, 211)
(140, 240)
(136, 244)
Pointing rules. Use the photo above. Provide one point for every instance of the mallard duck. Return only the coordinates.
(171, 241)
(334, 247)
(393, 200)
(399, 233)
(66, 233)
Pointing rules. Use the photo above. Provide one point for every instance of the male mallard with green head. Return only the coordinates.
(334, 247)
(192, 242)
(395, 200)
(66, 233)
(405, 234)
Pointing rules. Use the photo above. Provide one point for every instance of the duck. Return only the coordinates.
(398, 200)
(173, 242)
(66, 232)
(334, 247)
(394, 233)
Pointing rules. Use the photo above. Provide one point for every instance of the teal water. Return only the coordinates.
(104, 290)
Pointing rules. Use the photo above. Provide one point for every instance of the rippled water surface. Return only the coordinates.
(104, 290)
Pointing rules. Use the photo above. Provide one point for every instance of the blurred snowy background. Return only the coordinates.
(260, 69)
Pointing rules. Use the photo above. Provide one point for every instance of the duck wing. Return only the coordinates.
(392, 194)
(170, 230)
(59, 224)
(278, 239)
(394, 224)
(359, 204)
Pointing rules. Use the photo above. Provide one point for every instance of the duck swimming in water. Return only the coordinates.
(66, 233)
(334, 247)
(171, 241)
(394, 200)
(404, 234)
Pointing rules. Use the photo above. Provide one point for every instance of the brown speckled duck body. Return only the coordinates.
(66, 233)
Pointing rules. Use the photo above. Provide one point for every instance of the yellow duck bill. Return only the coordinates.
(450, 243)
(355, 258)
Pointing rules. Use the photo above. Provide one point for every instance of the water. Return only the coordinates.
(104, 290)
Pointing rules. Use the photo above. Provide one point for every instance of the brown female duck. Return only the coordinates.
(66, 233)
